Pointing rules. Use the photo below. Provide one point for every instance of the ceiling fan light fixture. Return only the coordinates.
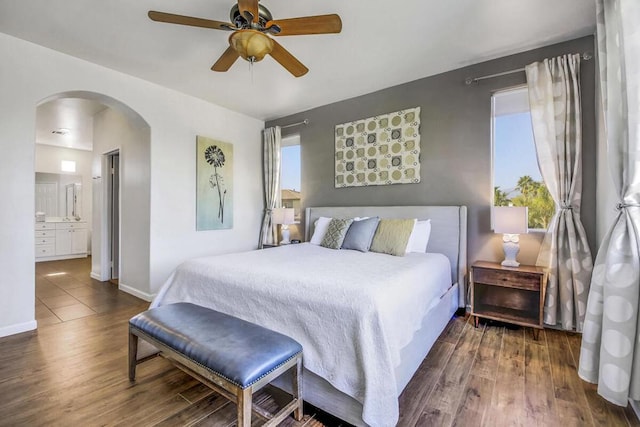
(251, 45)
(253, 25)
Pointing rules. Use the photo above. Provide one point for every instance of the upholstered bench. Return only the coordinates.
(234, 357)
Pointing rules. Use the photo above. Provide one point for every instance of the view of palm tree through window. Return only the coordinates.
(516, 175)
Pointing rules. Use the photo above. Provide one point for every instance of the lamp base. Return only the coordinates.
(285, 235)
(507, 263)
(511, 249)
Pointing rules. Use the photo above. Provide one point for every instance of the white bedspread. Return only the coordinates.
(351, 311)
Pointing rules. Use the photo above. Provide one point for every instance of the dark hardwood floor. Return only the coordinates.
(498, 376)
(73, 371)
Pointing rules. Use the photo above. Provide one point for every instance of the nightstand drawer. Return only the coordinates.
(507, 278)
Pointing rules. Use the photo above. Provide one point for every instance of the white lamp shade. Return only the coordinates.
(510, 219)
(283, 216)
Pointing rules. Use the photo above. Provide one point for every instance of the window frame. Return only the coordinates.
(290, 141)
(520, 87)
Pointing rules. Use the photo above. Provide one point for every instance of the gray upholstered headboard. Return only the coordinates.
(448, 230)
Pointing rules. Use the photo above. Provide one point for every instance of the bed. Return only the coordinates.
(366, 320)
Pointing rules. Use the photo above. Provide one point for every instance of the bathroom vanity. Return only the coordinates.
(59, 202)
(60, 238)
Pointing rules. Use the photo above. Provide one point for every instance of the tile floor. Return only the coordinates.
(65, 291)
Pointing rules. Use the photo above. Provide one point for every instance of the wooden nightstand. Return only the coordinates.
(508, 294)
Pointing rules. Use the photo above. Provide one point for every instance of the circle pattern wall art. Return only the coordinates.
(380, 150)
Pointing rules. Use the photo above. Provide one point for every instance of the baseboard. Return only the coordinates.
(18, 328)
(635, 405)
(59, 257)
(99, 277)
(136, 293)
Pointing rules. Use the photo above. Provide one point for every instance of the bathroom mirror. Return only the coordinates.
(59, 195)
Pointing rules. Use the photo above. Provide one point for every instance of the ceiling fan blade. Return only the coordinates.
(227, 59)
(249, 9)
(320, 24)
(287, 60)
(189, 20)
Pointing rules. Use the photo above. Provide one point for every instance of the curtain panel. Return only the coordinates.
(271, 144)
(556, 114)
(610, 351)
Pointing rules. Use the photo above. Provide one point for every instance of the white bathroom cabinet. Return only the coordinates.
(61, 240)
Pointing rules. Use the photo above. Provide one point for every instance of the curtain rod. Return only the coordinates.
(304, 122)
(470, 80)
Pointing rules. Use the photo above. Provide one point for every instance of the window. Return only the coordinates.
(290, 174)
(68, 166)
(516, 176)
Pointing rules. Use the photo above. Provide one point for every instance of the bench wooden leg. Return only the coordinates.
(297, 389)
(244, 407)
(133, 354)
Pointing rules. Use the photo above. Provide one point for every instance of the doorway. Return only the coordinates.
(113, 214)
(115, 206)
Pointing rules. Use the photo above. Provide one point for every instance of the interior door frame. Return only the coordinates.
(108, 217)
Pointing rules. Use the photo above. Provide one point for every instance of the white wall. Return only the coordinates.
(112, 131)
(47, 160)
(30, 74)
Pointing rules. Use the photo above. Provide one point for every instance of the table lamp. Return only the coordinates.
(284, 217)
(511, 221)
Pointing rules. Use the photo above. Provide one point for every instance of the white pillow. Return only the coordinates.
(320, 229)
(419, 237)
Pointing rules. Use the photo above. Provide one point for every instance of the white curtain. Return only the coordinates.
(271, 142)
(556, 115)
(610, 352)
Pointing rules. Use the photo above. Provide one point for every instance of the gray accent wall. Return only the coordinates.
(455, 142)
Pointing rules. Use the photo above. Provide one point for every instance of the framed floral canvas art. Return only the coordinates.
(214, 198)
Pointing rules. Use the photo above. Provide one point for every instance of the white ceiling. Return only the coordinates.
(72, 114)
(382, 44)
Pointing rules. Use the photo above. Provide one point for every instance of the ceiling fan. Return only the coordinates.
(252, 25)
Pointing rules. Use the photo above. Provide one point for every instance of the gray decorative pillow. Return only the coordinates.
(360, 234)
(392, 236)
(336, 231)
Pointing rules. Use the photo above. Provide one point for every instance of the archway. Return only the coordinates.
(117, 128)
